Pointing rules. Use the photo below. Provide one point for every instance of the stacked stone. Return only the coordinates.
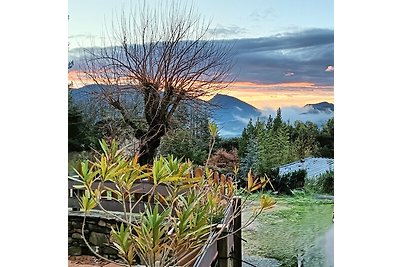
(97, 232)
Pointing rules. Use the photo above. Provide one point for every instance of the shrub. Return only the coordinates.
(323, 184)
(224, 161)
(284, 184)
(173, 227)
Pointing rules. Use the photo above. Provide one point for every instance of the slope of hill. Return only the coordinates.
(232, 114)
(320, 107)
(90, 99)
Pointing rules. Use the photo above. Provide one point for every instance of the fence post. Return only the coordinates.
(237, 230)
(222, 246)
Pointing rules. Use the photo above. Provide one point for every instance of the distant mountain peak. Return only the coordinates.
(321, 106)
(232, 114)
(225, 100)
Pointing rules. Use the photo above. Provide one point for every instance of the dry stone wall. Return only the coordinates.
(97, 232)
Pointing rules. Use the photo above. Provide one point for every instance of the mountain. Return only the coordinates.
(232, 114)
(320, 107)
(90, 100)
(91, 92)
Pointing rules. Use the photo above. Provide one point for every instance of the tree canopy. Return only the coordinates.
(164, 54)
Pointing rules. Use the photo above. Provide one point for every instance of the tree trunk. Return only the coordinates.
(150, 143)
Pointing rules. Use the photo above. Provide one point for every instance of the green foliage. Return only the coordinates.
(323, 184)
(212, 127)
(304, 139)
(188, 137)
(285, 184)
(175, 224)
(75, 159)
(326, 139)
(249, 159)
(267, 145)
(247, 135)
(81, 134)
(213, 130)
(183, 145)
(228, 144)
(277, 122)
(275, 149)
(122, 239)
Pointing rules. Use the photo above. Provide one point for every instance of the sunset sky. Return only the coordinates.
(284, 50)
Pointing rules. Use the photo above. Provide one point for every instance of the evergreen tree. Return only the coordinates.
(269, 122)
(304, 138)
(247, 134)
(189, 137)
(326, 139)
(264, 146)
(81, 135)
(249, 160)
(277, 122)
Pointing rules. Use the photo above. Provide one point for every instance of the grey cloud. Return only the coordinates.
(293, 114)
(268, 59)
(88, 36)
(272, 59)
(227, 31)
(302, 39)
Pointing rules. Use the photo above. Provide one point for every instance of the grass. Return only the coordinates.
(296, 224)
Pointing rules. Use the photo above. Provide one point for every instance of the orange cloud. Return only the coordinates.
(259, 95)
(78, 78)
(272, 85)
(279, 94)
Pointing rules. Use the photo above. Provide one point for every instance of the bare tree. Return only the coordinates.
(166, 55)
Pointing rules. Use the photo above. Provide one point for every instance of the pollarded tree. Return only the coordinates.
(189, 135)
(166, 56)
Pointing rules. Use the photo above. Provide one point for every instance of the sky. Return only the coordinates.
(284, 50)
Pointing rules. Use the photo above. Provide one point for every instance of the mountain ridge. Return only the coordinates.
(230, 113)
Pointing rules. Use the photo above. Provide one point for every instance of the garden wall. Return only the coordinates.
(97, 231)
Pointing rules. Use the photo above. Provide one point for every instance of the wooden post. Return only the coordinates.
(222, 246)
(237, 230)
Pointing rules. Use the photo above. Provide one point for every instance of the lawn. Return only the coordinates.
(296, 225)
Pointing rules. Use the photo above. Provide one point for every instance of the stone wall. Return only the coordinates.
(97, 232)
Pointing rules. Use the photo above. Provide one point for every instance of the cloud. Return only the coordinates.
(306, 53)
(287, 74)
(300, 56)
(243, 120)
(227, 133)
(293, 114)
(227, 31)
(258, 15)
(329, 69)
(89, 36)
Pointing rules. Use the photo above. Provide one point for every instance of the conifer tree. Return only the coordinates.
(247, 134)
(249, 160)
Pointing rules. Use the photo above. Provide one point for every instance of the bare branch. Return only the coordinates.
(165, 54)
